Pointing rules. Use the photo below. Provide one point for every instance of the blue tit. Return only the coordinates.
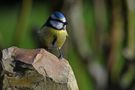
(53, 33)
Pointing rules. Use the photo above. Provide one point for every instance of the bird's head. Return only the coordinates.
(57, 20)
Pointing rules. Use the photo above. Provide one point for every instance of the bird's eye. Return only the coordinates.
(56, 24)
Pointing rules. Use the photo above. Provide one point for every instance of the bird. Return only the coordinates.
(53, 33)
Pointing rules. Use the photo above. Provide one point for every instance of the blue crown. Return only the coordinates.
(58, 16)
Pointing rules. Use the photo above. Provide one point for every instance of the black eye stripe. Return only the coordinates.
(50, 25)
(65, 23)
(55, 24)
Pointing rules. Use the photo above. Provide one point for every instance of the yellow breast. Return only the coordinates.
(61, 37)
(50, 34)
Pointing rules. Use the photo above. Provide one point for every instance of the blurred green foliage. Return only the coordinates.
(9, 20)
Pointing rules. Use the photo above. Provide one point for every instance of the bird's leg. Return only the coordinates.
(60, 54)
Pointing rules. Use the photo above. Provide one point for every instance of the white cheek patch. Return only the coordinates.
(56, 24)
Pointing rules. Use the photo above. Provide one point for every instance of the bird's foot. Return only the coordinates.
(60, 56)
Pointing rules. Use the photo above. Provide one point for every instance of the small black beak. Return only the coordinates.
(65, 23)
